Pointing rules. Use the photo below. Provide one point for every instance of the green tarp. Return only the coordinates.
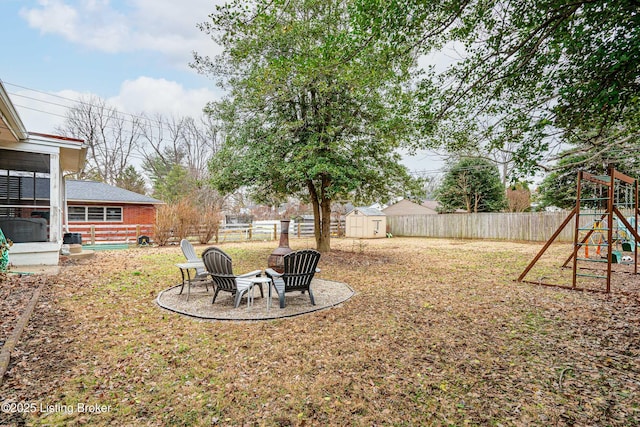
(4, 252)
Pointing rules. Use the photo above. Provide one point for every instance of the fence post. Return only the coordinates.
(93, 234)
(298, 230)
(250, 231)
(275, 231)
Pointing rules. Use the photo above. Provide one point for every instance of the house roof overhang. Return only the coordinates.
(11, 127)
(73, 152)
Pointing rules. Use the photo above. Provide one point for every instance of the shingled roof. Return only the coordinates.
(367, 211)
(94, 191)
(79, 191)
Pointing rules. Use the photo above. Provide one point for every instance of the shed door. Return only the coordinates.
(357, 226)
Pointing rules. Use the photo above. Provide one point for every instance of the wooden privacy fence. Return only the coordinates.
(528, 226)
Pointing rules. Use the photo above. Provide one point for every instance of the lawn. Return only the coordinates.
(438, 333)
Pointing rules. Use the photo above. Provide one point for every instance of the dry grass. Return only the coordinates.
(438, 334)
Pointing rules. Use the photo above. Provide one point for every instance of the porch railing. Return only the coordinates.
(108, 233)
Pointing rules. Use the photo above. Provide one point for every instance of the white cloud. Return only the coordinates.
(45, 112)
(165, 26)
(169, 98)
(89, 23)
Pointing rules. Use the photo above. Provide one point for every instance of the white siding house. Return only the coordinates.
(24, 154)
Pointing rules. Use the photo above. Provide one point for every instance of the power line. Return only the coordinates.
(75, 101)
(424, 173)
(40, 111)
(130, 117)
(134, 155)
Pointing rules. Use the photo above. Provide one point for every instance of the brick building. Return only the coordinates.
(104, 213)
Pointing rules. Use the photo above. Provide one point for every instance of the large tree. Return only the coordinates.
(176, 153)
(178, 140)
(534, 73)
(112, 137)
(132, 180)
(472, 184)
(314, 108)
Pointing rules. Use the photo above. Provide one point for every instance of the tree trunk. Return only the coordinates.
(321, 215)
(467, 202)
(324, 245)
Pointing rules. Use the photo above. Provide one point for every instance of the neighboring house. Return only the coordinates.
(26, 155)
(96, 210)
(365, 222)
(237, 218)
(407, 207)
(102, 212)
(552, 209)
(304, 219)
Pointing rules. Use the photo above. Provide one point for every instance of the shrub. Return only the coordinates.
(163, 227)
(209, 225)
(186, 218)
(178, 220)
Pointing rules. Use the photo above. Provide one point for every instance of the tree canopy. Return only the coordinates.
(559, 188)
(132, 180)
(314, 109)
(532, 74)
(472, 184)
(111, 137)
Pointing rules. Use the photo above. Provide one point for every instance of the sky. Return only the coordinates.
(134, 54)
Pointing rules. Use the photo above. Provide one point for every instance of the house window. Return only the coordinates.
(95, 213)
(113, 214)
(77, 213)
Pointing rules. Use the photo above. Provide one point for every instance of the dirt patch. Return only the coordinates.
(40, 362)
(360, 258)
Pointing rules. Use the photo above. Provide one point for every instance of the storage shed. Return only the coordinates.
(366, 223)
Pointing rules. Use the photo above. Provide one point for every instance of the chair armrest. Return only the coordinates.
(251, 274)
(270, 272)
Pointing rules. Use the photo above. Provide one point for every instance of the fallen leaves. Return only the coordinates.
(438, 333)
(15, 293)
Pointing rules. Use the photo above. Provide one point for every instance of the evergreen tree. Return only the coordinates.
(316, 109)
(131, 180)
(472, 184)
